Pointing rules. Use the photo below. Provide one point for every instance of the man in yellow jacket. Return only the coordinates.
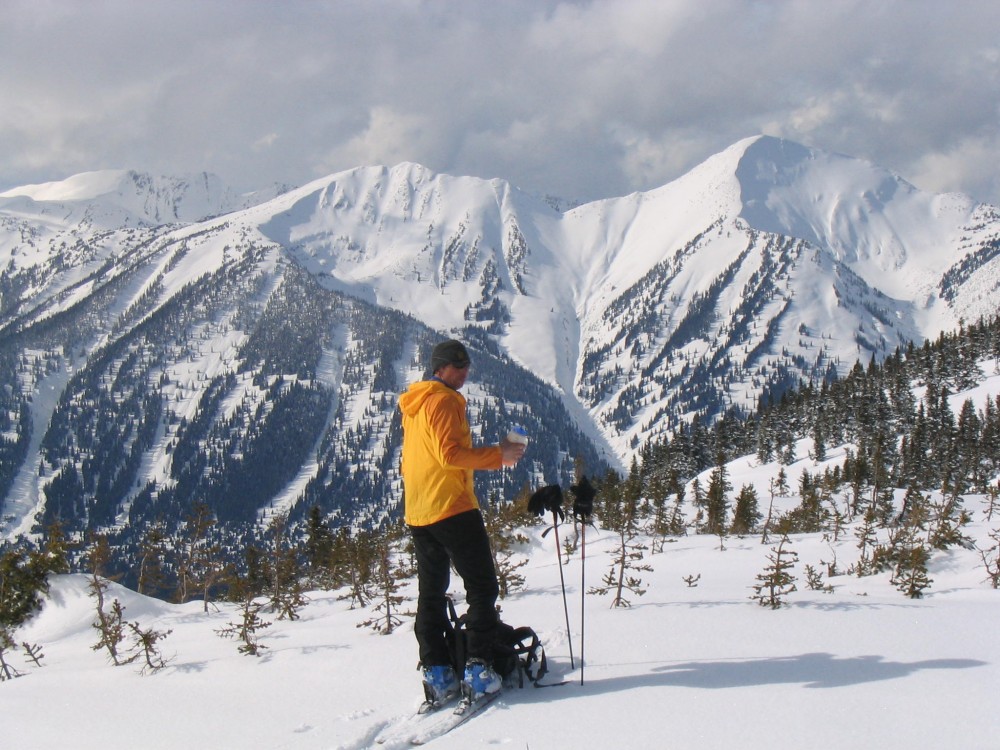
(442, 512)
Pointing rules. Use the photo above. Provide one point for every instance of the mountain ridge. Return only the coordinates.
(617, 320)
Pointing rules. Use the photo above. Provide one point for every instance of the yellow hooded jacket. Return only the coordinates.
(438, 457)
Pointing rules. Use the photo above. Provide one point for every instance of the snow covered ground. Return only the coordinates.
(701, 666)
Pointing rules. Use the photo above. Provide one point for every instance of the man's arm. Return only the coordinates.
(447, 420)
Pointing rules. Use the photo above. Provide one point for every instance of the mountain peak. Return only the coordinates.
(880, 225)
(78, 187)
(121, 196)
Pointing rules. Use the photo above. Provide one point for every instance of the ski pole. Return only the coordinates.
(550, 498)
(583, 506)
(562, 581)
(583, 593)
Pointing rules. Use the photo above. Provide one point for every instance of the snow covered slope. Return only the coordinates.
(700, 666)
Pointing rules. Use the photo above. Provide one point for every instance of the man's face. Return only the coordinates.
(454, 376)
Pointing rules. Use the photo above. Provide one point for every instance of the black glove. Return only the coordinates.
(584, 493)
(548, 498)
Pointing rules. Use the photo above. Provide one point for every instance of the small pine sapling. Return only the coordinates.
(992, 501)
(33, 652)
(765, 534)
(947, 518)
(285, 585)
(870, 561)
(360, 566)
(247, 630)
(109, 624)
(776, 581)
(838, 518)
(781, 487)
(146, 643)
(991, 559)
(7, 670)
(200, 566)
(832, 569)
(910, 575)
(319, 550)
(909, 552)
(667, 519)
(814, 580)
(620, 511)
(389, 577)
(502, 526)
(569, 544)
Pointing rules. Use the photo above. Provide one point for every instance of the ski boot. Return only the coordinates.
(440, 685)
(479, 680)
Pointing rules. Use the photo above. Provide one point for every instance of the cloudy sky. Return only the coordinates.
(582, 100)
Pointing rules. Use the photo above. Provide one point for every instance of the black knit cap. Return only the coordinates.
(449, 352)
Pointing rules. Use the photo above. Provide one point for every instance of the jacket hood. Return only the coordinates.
(412, 400)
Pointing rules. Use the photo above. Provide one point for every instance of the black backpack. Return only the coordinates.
(517, 652)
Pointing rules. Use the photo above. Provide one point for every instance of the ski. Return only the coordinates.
(398, 733)
(430, 721)
(441, 726)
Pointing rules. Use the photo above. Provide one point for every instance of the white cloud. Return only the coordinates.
(265, 142)
(970, 162)
(582, 99)
(389, 138)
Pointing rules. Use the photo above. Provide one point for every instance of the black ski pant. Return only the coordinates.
(460, 541)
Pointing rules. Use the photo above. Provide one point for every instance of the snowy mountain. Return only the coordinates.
(113, 198)
(153, 357)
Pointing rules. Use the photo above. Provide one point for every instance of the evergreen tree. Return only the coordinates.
(819, 441)
(667, 517)
(968, 458)
(746, 515)
(991, 559)
(200, 566)
(502, 526)
(619, 511)
(361, 561)
(911, 556)
(814, 579)
(387, 613)
(945, 521)
(319, 550)
(151, 577)
(717, 499)
(247, 630)
(146, 643)
(809, 516)
(23, 586)
(777, 580)
(24, 583)
(781, 488)
(697, 496)
(285, 593)
(868, 545)
(110, 624)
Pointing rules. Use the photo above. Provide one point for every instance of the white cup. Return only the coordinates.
(517, 434)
